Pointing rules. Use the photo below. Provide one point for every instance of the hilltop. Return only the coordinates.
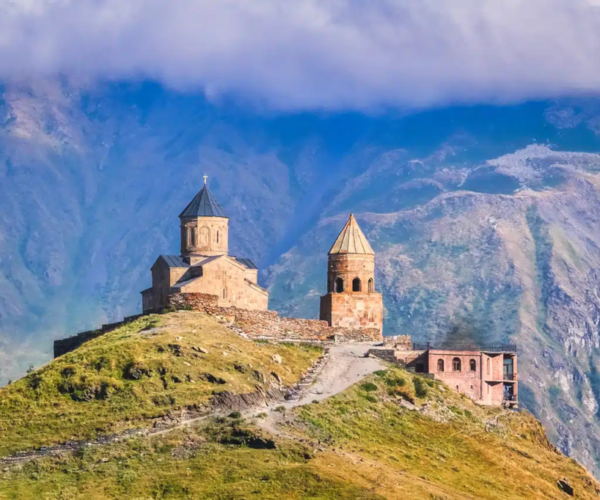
(138, 374)
(391, 435)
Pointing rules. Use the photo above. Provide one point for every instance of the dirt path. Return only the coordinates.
(346, 366)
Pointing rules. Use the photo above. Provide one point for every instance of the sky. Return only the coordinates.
(314, 54)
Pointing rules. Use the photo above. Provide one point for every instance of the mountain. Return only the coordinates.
(484, 219)
(136, 415)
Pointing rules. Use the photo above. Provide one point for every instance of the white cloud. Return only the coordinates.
(315, 53)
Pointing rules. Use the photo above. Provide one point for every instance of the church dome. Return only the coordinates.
(204, 204)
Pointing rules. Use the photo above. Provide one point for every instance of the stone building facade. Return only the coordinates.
(205, 265)
(487, 375)
(351, 300)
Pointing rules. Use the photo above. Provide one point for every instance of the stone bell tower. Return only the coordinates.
(351, 299)
(204, 228)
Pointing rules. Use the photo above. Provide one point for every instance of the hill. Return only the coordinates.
(393, 435)
(158, 366)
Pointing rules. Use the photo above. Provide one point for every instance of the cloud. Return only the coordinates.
(315, 54)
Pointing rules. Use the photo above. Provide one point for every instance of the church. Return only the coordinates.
(205, 265)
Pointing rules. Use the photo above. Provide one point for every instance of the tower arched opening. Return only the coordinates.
(356, 285)
(339, 285)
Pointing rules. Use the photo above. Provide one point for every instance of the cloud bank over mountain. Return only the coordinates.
(305, 54)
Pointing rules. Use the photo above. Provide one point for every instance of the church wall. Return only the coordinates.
(228, 282)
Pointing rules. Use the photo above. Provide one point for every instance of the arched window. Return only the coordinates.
(440, 365)
(224, 293)
(473, 365)
(356, 285)
(489, 369)
(456, 364)
(339, 285)
(193, 236)
(217, 236)
(371, 285)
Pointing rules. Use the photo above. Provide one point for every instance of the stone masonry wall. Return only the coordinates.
(269, 325)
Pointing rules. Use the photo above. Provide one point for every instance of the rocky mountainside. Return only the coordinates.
(484, 220)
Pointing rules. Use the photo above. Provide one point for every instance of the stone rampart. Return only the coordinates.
(257, 325)
(399, 342)
(269, 325)
(69, 344)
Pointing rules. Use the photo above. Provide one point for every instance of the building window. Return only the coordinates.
(473, 365)
(371, 285)
(456, 364)
(440, 365)
(224, 293)
(489, 369)
(193, 236)
(339, 285)
(471, 387)
(217, 236)
(356, 285)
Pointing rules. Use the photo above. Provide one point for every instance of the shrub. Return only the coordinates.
(420, 387)
(235, 414)
(381, 373)
(369, 387)
(371, 399)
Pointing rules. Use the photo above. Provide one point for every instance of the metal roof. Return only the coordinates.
(174, 261)
(351, 240)
(204, 204)
(247, 262)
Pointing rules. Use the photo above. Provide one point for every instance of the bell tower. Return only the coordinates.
(351, 300)
(204, 227)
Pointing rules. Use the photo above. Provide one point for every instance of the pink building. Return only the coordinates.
(488, 376)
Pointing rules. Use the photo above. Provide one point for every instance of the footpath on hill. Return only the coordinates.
(345, 366)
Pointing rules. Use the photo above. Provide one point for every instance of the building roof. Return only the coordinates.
(246, 262)
(174, 260)
(204, 204)
(351, 240)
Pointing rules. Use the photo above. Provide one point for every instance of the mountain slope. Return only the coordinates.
(367, 442)
(137, 374)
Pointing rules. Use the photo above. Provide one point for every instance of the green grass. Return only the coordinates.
(142, 371)
(346, 447)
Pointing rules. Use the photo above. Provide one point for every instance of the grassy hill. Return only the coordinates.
(365, 443)
(128, 378)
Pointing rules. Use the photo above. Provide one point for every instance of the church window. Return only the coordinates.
(371, 286)
(224, 293)
(440, 365)
(339, 285)
(193, 236)
(473, 365)
(217, 236)
(489, 370)
(356, 285)
(456, 364)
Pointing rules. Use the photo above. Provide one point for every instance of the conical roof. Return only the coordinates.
(351, 240)
(204, 204)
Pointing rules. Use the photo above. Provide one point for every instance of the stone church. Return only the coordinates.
(205, 265)
(351, 300)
